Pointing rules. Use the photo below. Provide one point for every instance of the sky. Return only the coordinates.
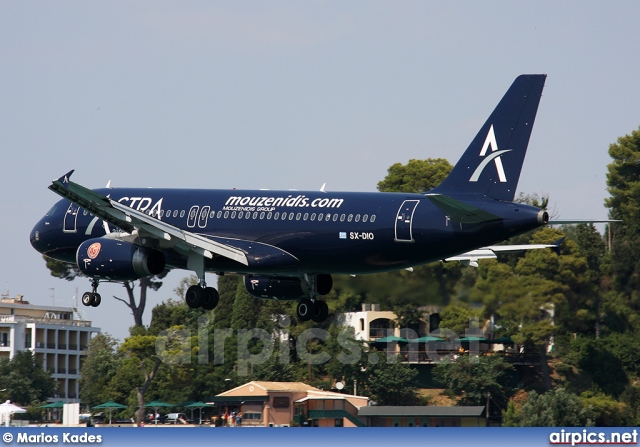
(291, 95)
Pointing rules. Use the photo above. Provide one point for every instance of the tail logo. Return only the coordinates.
(495, 154)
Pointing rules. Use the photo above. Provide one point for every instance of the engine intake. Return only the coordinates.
(118, 260)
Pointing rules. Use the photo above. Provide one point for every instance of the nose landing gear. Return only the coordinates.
(92, 298)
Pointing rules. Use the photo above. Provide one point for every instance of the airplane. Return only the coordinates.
(288, 244)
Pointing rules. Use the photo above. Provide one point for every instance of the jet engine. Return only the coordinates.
(118, 260)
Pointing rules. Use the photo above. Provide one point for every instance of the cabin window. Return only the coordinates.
(226, 214)
(290, 216)
(365, 217)
(255, 215)
(298, 216)
(247, 215)
(240, 214)
(284, 216)
(357, 217)
(328, 217)
(306, 216)
(182, 213)
(168, 213)
(276, 215)
(320, 216)
(233, 214)
(350, 218)
(84, 212)
(342, 217)
(212, 214)
(175, 213)
(269, 216)
(373, 218)
(335, 217)
(313, 216)
(262, 215)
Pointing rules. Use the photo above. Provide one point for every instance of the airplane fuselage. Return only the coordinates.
(340, 232)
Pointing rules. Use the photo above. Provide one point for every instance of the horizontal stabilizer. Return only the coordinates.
(458, 211)
(472, 257)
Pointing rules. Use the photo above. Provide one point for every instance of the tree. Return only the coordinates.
(472, 379)
(415, 176)
(623, 181)
(99, 367)
(389, 382)
(26, 381)
(555, 408)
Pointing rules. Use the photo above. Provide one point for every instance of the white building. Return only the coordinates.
(57, 337)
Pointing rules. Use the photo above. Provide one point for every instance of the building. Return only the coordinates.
(423, 416)
(56, 336)
(281, 404)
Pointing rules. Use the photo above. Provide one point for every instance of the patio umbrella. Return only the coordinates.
(110, 406)
(50, 405)
(155, 405)
(391, 339)
(425, 339)
(474, 338)
(8, 408)
(199, 405)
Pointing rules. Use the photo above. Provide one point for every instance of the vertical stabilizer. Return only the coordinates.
(492, 163)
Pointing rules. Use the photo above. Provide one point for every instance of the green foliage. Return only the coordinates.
(415, 176)
(623, 181)
(607, 411)
(99, 366)
(389, 382)
(25, 380)
(62, 270)
(556, 408)
(471, 378)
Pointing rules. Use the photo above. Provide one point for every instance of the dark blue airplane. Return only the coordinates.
(287, 244)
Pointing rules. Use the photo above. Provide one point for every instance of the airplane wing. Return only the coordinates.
(130, 220)
(472, 257)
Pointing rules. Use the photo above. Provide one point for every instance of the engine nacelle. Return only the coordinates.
(118, 260)
(274, 288)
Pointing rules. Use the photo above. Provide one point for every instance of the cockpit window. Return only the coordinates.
(51, 211)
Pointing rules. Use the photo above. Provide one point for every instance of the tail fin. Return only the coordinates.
(492, 163)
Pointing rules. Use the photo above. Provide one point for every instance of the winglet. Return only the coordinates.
(65, 179)
(557, 245)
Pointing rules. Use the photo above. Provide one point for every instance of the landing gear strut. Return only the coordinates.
(310, 308)
(92, 298)
(199, 295)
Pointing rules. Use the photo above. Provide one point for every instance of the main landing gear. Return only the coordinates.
(317, 310)
(92, 298)
(311, 308)
(200, 296)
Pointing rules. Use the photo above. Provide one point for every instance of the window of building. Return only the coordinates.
(281, 402)
(339, 423)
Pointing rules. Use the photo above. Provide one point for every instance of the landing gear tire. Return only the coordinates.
(96, 299)
(211, 298)
(194, 296)
(321, 311)
(305, 309)
(87, 298)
